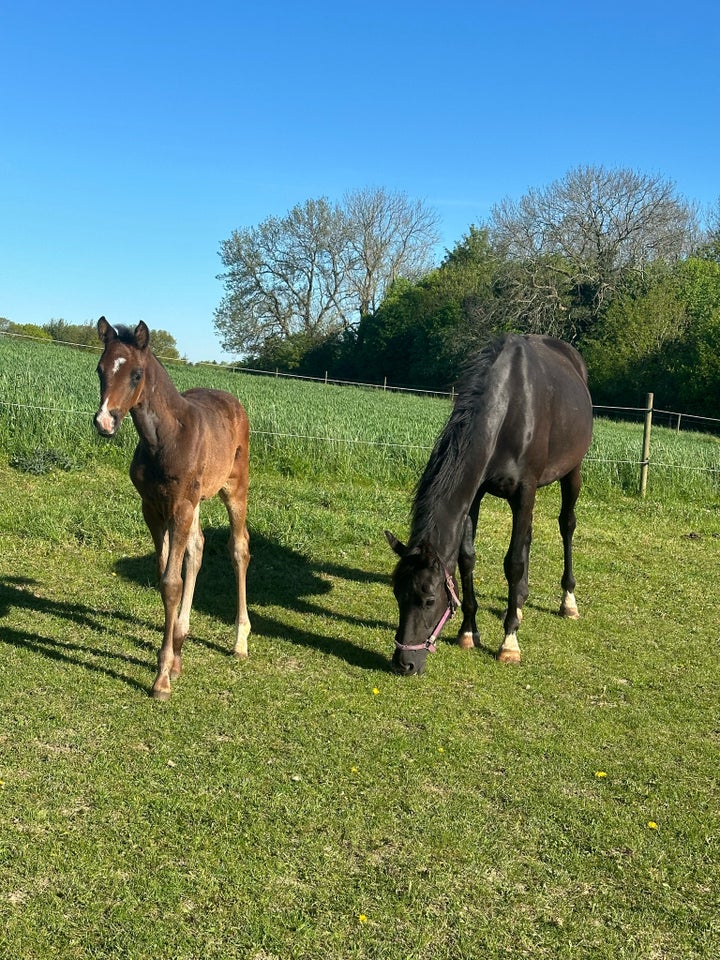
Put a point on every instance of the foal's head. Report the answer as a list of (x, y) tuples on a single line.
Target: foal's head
[(122, 373)]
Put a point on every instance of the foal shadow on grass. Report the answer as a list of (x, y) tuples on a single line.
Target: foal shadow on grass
[(21, 593), (277, 577)]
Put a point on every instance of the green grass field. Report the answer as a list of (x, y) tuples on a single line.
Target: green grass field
[(307, 803)]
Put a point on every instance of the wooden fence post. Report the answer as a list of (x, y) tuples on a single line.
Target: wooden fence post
[(645, 462)]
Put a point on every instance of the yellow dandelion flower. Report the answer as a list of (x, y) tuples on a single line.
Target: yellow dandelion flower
[(652, 825), (353, 769), (441, 749), (375, 691), (362, 918), (600, 774)]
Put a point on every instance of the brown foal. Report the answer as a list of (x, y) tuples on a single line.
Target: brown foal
[(192, 446)]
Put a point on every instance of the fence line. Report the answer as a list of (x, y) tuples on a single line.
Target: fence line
[(642, 463), (647, 411), (385, 386)]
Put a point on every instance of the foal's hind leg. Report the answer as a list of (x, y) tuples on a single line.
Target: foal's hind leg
[(234, 496), (193, 561), (570, 489)]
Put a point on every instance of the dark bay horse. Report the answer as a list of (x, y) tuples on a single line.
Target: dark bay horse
[(522, 420), (192, 446)]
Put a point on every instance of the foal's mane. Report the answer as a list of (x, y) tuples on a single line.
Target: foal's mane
[(125, 334), (444, 468)]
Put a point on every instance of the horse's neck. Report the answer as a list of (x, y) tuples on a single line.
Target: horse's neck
[(439, 517), (157, 415)]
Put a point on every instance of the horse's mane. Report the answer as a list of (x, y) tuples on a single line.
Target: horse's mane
[(443, 469)]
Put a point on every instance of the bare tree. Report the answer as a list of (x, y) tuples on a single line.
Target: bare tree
[(570, 248), (389, 236), (319, 269), (285, 276)]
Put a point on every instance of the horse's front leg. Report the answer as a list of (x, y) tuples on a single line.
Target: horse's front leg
[(517, 561), (468, 635), (171, 589), (570, 490)]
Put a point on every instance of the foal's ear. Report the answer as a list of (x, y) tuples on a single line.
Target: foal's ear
[(399, 548), (142, 335), (105, 331)]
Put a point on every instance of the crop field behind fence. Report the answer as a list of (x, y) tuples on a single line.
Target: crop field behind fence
[(49, 393), (307, 803)]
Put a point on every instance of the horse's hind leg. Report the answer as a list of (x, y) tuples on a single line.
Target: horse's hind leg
[(234, 496), (570, 489), (468, 635), (517, 563)]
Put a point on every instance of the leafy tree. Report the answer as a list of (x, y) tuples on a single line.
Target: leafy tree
[(163, 344), (697, 363), (82, 334), (572, 247), (24, 329), (423, 332), (85, 335), (631, 349), (666, 340)]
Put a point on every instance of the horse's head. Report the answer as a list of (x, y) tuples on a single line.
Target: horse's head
[(426, 597), (122, 373)]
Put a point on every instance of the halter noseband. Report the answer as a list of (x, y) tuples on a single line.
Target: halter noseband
[(453, 604)]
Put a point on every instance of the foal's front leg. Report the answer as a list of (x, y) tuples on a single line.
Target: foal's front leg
[(171, 589)]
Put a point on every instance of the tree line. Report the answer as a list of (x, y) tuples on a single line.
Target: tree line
[(613, 261), (83, 335)]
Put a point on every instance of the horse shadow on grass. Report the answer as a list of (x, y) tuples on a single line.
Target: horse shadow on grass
[(277, 577), (21, 593)]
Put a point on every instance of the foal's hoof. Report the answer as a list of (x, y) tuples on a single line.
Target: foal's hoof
[(240, 654), (160, 694), (508, 656), (466, 641)]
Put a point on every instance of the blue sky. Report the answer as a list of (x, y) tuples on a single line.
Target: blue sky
[(135, 137)]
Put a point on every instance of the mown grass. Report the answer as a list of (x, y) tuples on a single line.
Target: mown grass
[(309, 804)]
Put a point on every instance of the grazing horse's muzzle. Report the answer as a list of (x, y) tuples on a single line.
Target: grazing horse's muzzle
[(406, 664)]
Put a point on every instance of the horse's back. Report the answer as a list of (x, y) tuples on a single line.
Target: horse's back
[(564, 352), (218, 411), (544, 406)]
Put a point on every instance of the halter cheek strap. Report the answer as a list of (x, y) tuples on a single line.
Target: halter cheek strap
[(453, 604)]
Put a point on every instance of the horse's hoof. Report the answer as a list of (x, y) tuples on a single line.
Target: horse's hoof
[(160, 694), (466, 641), (509, 656), (569, 613), (240, 654)]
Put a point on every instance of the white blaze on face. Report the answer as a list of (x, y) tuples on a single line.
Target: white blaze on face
[(118, 363)]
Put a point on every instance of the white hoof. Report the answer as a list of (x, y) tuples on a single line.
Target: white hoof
[(510, 650), (568, 607)]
